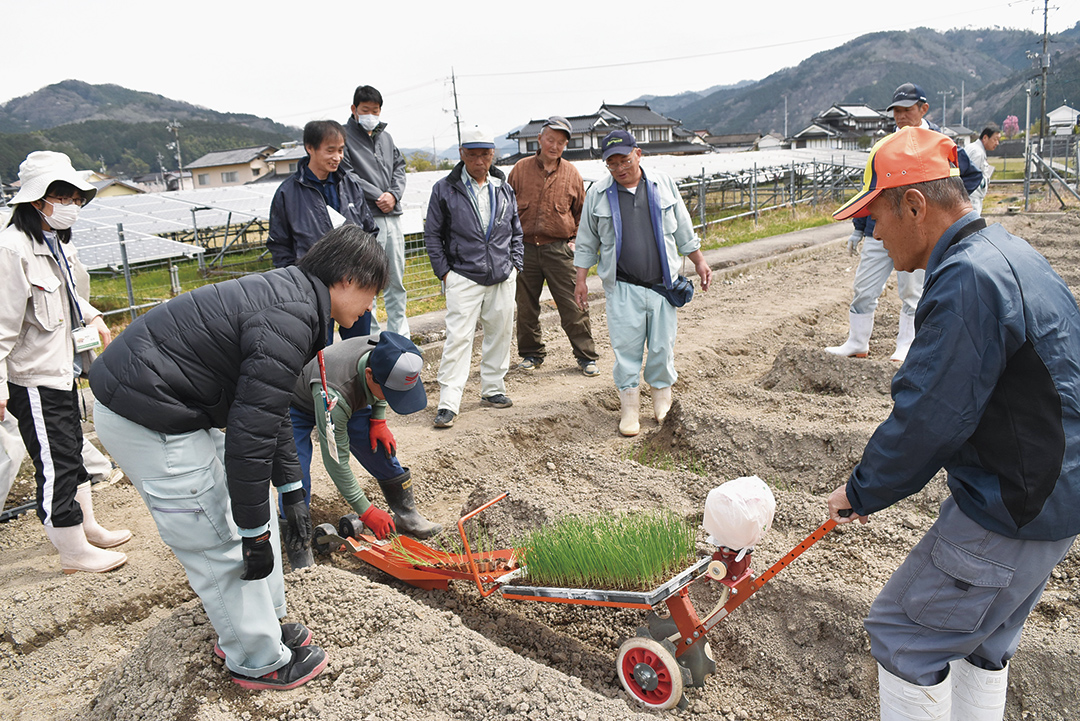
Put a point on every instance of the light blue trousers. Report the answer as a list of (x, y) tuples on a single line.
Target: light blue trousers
[(875, 265), (181, 478), (638, 317), (393, 242), (962, 592)]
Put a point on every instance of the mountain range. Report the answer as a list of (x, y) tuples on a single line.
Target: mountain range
[(985, 70)]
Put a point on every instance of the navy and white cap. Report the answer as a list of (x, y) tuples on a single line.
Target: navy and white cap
[(395, 365), (477, 136), (907, 95), (618, 142)]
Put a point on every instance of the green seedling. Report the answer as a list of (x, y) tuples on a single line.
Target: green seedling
[(636, 551)]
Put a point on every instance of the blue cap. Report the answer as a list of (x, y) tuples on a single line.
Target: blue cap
[(395, 365), (907, 95), (617, 142)]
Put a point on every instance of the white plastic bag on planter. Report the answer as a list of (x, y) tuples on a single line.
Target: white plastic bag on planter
[(739, 513)]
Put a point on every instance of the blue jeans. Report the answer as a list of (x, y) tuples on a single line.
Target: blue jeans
[(181, 478), (376, 463)]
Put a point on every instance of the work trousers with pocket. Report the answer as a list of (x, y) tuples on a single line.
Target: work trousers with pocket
[(962, 592), (181, 478), (639, 317), (553, 263), (875, 267), (394, 296)]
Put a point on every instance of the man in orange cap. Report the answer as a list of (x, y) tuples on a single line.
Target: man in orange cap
[(991, 393)]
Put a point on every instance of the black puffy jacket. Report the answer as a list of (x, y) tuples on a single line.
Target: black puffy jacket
[(223, 356)]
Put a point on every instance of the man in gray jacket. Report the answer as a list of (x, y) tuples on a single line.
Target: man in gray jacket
[(474, 239), (370, 155)]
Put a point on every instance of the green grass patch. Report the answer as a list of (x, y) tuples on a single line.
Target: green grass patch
[(663, 460), (776, 222), (634, 551)]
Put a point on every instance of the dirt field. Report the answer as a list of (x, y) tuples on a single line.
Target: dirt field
[(756, 395)]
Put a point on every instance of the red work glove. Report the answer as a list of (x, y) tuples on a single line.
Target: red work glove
[(378, 521), (379, 433)]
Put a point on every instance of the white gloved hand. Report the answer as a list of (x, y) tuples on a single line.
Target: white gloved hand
[(853, 242)]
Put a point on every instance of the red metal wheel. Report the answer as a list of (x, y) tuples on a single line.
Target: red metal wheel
[(649, 673)]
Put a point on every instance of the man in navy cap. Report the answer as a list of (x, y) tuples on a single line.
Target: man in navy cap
[(344, 392), (634, 228), (909, 108)]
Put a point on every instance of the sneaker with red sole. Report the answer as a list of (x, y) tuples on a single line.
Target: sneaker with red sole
[(293, 635), (307, 663)]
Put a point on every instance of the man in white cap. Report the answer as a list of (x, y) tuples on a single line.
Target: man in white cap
[(634, 228), (474, 239), (550, 196)]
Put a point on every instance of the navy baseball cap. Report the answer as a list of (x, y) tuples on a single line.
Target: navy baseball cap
[(618, 142), (907, 95), (395, 365)]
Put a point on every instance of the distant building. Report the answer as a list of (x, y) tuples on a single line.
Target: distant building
[(960, 134), (284, 162), (111, 187), (733, 142), (1062, 120), (844, 127), (655, 133), (230, 167)]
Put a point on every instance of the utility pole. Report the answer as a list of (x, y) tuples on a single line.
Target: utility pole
[(1044, 61), (1027, 149), (457, 115), (174, 128), (785, 117), (962, 106), (944, 114)]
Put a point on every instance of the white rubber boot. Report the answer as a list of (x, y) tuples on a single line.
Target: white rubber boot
[(661, 403), (630, 400), (76, 553), (978, 694), (858, 340), (95, 533), (903, 701), (904, 336)]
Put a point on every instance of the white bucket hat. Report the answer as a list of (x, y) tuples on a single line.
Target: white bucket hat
[(40, 169)]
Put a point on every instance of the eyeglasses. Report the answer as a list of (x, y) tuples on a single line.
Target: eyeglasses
[(614, 165), (77, 200)]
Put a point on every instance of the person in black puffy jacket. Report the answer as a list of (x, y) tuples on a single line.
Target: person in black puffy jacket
[(228, 356)]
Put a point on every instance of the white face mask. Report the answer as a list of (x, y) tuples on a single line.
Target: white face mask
[(368, 122), (63, 216)]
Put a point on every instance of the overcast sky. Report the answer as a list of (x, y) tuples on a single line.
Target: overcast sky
[(299, 61)]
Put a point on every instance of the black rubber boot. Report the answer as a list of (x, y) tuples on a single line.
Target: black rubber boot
[(399, 496), (298, 557)]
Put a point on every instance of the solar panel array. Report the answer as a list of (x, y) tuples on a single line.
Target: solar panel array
[(146, 216)]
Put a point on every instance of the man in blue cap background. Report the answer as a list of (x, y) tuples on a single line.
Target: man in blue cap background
[(634, 228), (909, 108), (344, 392)]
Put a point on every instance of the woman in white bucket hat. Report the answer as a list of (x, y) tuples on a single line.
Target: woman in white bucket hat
[(46, 333)]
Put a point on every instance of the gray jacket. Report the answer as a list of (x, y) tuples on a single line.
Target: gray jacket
[(376, 162)]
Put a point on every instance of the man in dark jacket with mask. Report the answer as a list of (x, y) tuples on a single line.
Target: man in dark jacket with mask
[(317, 198), (228, 356), (474, 239)]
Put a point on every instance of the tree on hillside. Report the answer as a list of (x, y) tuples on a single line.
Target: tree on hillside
[(422, 161)]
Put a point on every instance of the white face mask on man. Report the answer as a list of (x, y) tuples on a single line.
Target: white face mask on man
[(63, 216), (368, 122)]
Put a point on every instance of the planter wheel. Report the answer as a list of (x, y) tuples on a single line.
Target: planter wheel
[(649, 673)]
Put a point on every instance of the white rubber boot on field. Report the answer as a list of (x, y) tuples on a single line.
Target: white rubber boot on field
[(858, 341), (630, 400), (95, 533), (904, 336), (76, 553), (903, 701), (978, 694), (661, 403)]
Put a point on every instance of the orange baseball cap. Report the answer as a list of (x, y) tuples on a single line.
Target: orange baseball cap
[(908, 156)]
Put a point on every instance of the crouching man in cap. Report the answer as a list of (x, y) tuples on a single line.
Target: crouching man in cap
[(344, 392), (633, 229), (228, 356), (990, 391)]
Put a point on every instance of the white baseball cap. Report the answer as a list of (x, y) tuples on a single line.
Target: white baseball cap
[(477, 136)]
